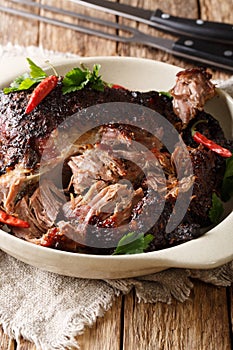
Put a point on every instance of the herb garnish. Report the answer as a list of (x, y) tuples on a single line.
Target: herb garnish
[(227, 185), (216, 211), (166, 93), (27, 80), (35, 71), (133, 243), (78, 78)]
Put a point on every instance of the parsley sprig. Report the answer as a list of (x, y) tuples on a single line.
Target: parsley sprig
[(27, 80), (217, 209), (165, 93), (78, 78), (133, 243), (227, 185)]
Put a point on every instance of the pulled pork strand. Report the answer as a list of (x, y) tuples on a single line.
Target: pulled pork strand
[(192, 89)]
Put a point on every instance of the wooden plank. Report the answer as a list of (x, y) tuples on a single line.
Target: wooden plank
[(6, 342), (106, 333), (17, 30), (199, 323), (215, 10), (26, 345), (66, 40), (219, 11)]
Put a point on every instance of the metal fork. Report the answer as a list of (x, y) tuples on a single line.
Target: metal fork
[(217, 55)]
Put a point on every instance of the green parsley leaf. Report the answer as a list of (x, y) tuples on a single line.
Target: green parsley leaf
[(23, 82), (19, 80), (74, 80), (133, 243), (26, 80), (36, 71), (96, 70), (27, 83), (95, 79), (78, 78), (227, 184), (19, 85), (166, 93), (216, 210)]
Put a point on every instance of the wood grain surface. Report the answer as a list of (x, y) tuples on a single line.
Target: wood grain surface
[(205, 321)]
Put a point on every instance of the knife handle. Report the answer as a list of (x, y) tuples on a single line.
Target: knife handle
[(205, 52), (205, 30)]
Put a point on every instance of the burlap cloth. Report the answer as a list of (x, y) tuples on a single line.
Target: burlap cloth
[(51, 310)]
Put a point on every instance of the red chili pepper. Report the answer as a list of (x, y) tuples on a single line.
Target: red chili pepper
[(41, 91), (12, 220), (199, 138), (116, 86)]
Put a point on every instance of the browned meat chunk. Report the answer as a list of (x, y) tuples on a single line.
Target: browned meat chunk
[(193, 88)]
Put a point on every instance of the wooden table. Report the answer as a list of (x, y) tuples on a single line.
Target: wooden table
[(205, 321)]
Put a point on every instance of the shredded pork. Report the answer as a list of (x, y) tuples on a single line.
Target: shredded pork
[(118, 176)]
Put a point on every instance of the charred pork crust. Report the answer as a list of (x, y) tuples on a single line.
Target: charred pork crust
[(22, 135), (110, 189)]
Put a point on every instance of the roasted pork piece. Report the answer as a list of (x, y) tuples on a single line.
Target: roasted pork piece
[(110, 186), (193, 88)]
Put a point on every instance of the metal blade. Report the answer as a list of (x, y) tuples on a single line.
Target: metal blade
[(116, 8), (133, 34), (195, 28)]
